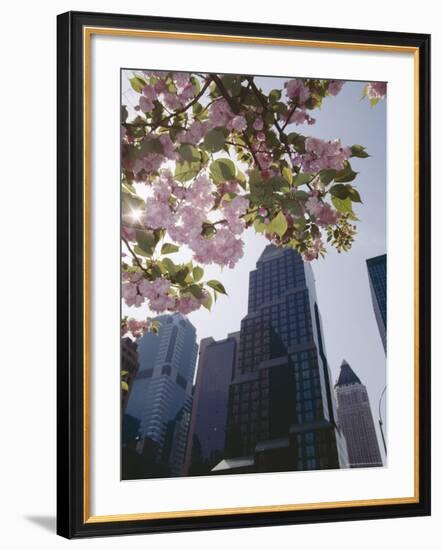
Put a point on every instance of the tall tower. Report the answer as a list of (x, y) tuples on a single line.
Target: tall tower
[(161, 396), (281, 406), (356, 420), (377, 275), (206, 441)]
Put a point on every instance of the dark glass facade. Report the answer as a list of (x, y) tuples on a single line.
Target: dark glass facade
[(377, 274), (281, 413), (215, 370)]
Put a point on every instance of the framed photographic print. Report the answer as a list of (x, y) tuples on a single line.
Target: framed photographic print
[(229, 198)]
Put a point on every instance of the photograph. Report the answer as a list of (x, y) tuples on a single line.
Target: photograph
[(253, 274)]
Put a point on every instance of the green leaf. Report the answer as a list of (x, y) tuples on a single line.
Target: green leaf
[(197, 272), (342, 205), (260, 226), (375, 101), (169, 248), (196, 291), (208, 302), (214, 140), (278, 225), (146, 241), (346, 174), (183, 276), (197, 108), (151, 146), (137, 83), (340, 191), (327, 176), (169, 265), (354, 194), (189, 152), (124, 385), (185, 171), (301, 178), (222, 170), (287, 175), (301, 195), (298, 141), (216, 285), (359, 151), (274, 96)]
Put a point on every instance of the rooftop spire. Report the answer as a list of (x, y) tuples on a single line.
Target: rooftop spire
[(347, 376)]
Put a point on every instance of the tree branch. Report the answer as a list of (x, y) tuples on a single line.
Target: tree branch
[(236, 109)]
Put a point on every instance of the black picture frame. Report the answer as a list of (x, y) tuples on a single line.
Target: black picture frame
[(71, 519)]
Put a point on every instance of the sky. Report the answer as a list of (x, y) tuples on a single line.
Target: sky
[(342, 286)]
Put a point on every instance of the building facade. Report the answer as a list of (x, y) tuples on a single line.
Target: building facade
[(377, 275), (206, 441), (281, 412), (356, 420), (129, 366), (161, 396)]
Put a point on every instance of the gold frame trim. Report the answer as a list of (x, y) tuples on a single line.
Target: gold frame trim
[(87, 34)]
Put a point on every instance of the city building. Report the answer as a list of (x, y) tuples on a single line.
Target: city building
[(281, 411), (206, 441), (377, 275), (129, 366), (356, 420), (161, 396)]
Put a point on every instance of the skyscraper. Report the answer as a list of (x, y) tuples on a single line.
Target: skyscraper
[(129, 365), (356, 420), (377, 275), (205, 446), (281, 413), (161, 396)]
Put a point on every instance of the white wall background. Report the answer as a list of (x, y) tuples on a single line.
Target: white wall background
[(27, 404)]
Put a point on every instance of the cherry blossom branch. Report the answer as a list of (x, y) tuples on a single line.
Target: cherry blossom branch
[(236, 109)]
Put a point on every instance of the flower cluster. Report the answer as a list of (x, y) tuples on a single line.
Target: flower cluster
[(323, 155), (206, 157), (376, 90)]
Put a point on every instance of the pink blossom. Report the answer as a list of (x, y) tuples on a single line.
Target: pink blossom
[(181, 79), (129, 292), (296, 89), (168, 147), (321, 155), (195, 133), (376, 90), (222, 249), (258, 124), (188, 303), (325, 215), (312, 253), (265, 160), (237, 123), (335, 86), (220, 113), (300, 116), (162, 187), (188, 93), (147, 99), (157, 215), (233, 211), (172, 101)]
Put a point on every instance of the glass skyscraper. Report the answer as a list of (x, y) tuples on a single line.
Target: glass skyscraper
[(215, 371), (161, 396), (377, 275), (281, 413), (356, 420)]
